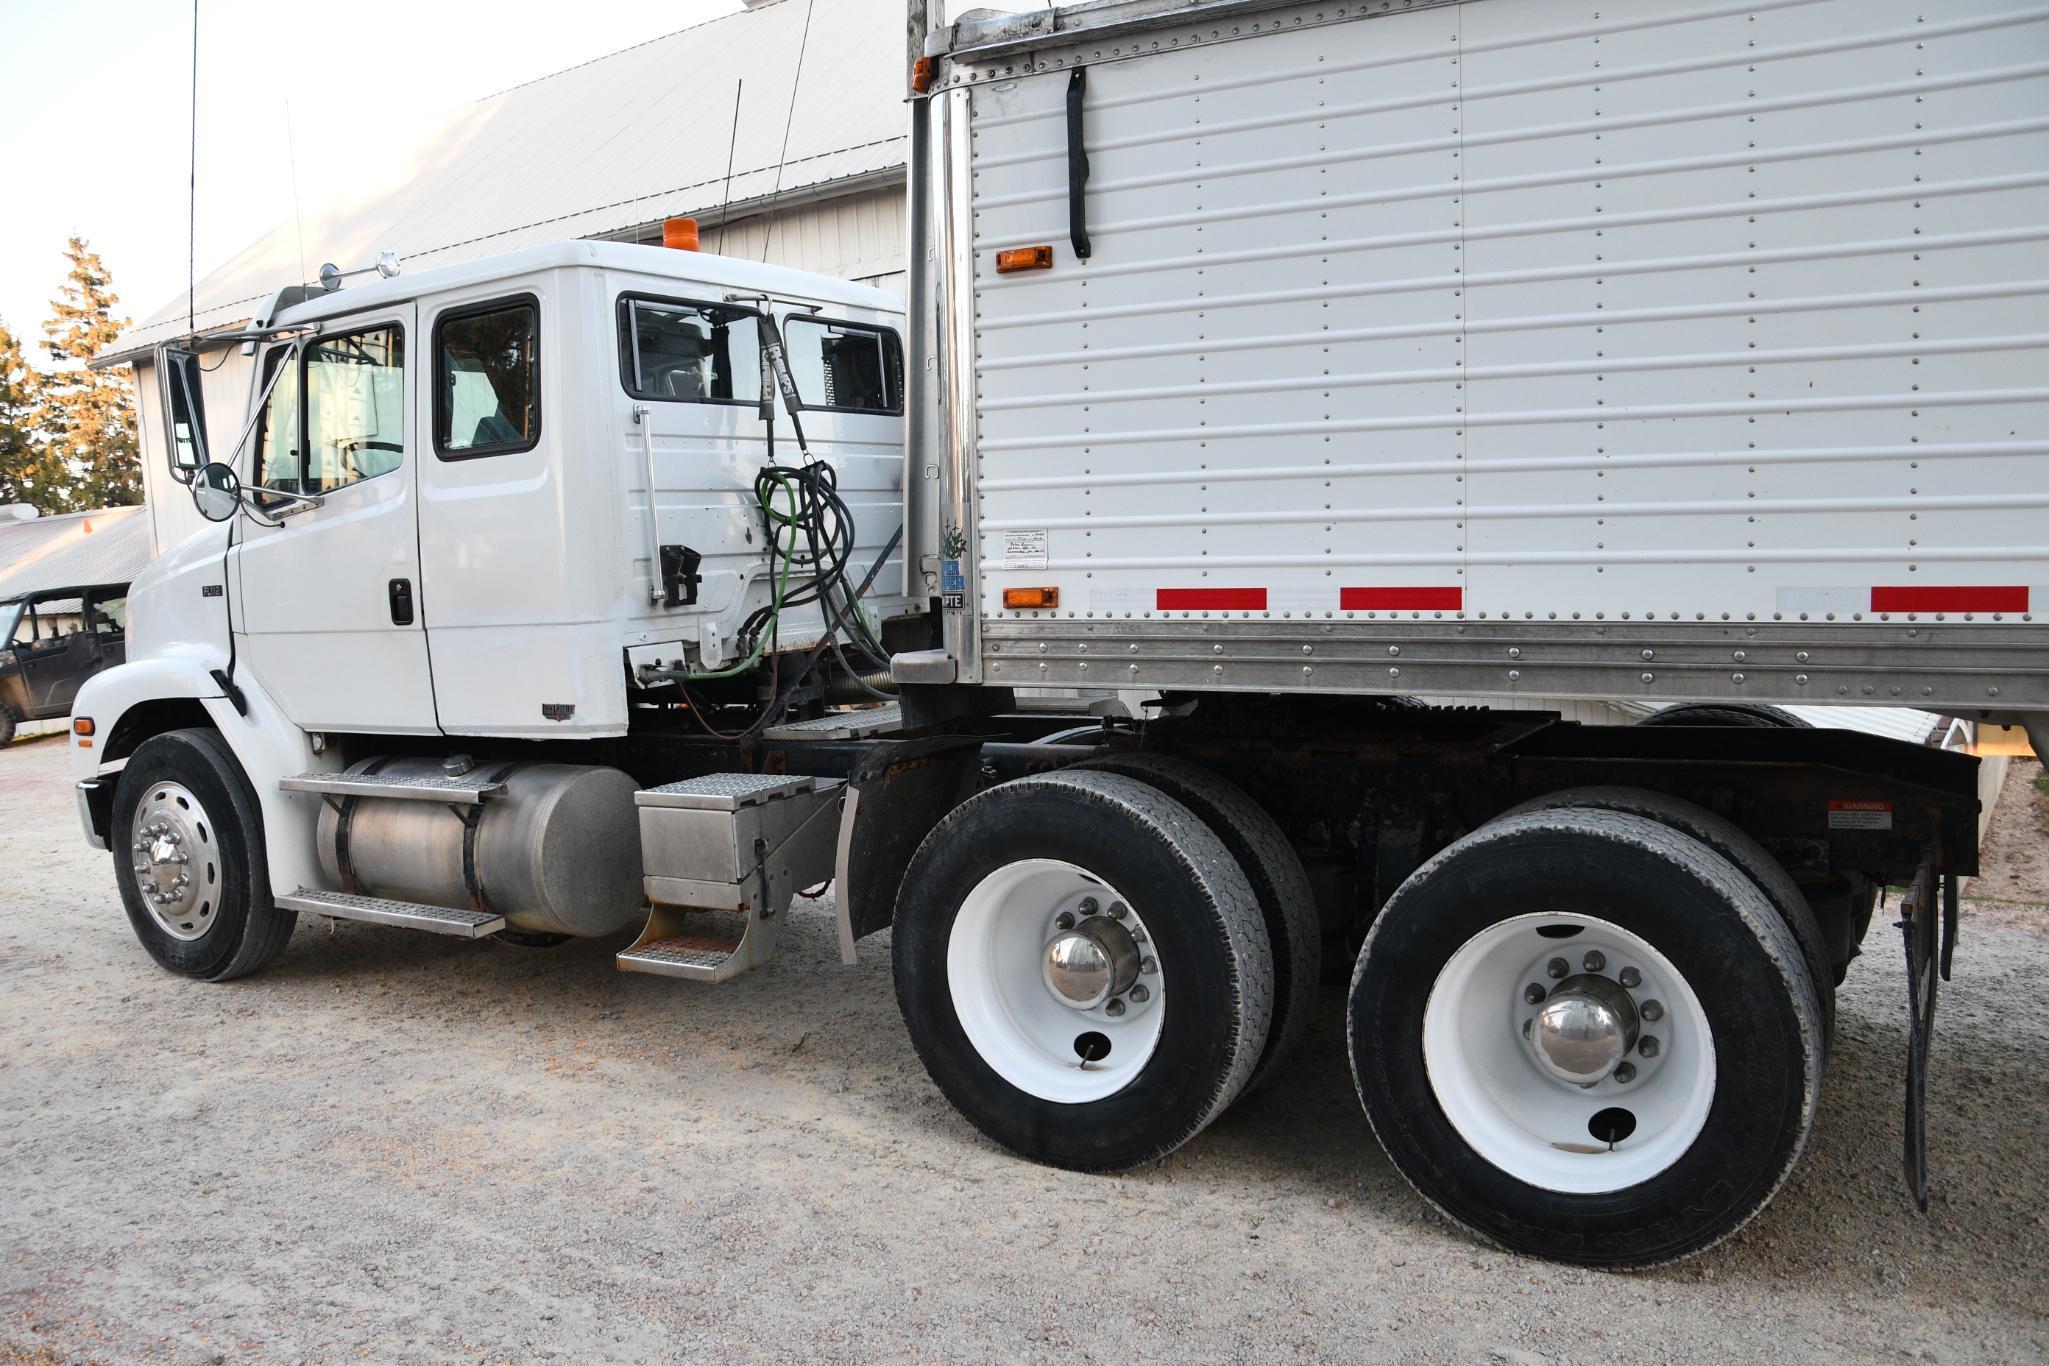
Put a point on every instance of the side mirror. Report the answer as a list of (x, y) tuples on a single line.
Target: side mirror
[(216, 491), (184, 409)]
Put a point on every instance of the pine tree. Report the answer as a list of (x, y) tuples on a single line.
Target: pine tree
[(28, 471), (88, 416)]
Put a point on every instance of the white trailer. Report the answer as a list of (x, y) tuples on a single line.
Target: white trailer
[(1275, 363)]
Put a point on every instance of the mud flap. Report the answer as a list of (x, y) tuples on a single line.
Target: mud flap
[(1928, 931)]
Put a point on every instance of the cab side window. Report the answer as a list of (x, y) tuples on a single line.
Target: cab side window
[(277, 434), (846, 367), (690, 353), (487, 380), (355, 407)]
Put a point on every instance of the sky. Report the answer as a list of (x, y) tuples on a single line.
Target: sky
[(95, 104)]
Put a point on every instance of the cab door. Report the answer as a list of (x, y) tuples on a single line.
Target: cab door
[(326, 598)]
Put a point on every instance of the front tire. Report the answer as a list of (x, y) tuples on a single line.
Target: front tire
[(189, 859), (1095, 1085), (1540, 1140)]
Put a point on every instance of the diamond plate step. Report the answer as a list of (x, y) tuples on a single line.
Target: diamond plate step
[(410, 914), (468, 790), (695, 956), (842, 725)]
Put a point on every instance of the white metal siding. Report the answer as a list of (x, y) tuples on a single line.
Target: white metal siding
[(1669, 310)]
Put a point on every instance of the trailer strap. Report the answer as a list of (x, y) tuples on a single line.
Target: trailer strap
[(1077, 166)]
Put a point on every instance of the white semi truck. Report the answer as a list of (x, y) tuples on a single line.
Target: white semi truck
[(1272, 363)]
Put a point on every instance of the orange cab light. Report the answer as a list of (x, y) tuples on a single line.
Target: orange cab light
[(81, 725), (680, 234), (1024, 258), (921, 75), (1031, 597)]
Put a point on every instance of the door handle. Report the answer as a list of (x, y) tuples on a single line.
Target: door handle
[(401, 591)]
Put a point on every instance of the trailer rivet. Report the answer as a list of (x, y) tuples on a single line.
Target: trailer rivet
[(1515, 675), (1394, 649), (1216, 649), (1133, 647), (1594, 961), (1649, 1046), (1648, 677), (1741, 656), (1307, 670), (1800, 679), (1735, 678), (1557, 967), (1630, 978), (1217, 669), (1515, 652), (1394, 673), (1308, 649), (1534, 994), (1651, 1010), (1650, 654), (1626, 1073), (1800, 656)]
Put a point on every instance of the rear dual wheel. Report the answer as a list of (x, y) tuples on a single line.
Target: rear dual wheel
[(1084, 968), (1587, 1036)]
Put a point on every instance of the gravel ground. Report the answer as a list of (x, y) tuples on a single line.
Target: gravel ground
[(399, 1147)]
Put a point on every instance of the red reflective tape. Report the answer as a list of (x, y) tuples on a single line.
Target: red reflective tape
[(1401, 599), (2004, 598), (1210, 600)]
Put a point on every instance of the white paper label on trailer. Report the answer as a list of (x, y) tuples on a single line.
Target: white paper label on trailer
[(1860, 815), (1023, 550)]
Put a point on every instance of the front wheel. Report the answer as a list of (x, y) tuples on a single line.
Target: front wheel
[(189, 858), (1587, 1036), (1083, 968)]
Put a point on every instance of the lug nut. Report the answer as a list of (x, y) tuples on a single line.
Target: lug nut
[(1118, 910), (1089, 906), (1526, 1027), (1149, 965), (1557, 967), (1114, 1009), (1630, 977), (1064, 920), (1595, 961), (1139, 994), (1651, 1010), (1626, 1073), (1534, 994), (1649, 1046), (1138, 934)]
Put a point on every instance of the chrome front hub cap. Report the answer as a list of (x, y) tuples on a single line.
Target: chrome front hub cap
[(176, 860), (1055, 980), (1584, 1029), (1569, 1052)]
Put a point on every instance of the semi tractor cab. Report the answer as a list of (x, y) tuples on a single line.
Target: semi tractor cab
[(1265, 365)]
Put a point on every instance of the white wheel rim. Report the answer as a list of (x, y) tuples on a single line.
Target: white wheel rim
[(1030, 1037), (174, 851), (1538, 1128)]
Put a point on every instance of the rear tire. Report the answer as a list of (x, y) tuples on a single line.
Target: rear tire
[(7, 725), (1733, 843), (1256, 841), (183, 808), (1620, 1172), (977, 906), (1758, 715)]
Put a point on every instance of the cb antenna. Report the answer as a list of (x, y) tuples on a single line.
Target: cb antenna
[(192, 193), (796, 84), (726, 195)]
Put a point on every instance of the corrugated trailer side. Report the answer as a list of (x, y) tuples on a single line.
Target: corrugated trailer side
[(1676, 350)]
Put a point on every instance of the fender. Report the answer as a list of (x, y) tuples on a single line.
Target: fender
[(267, 745)]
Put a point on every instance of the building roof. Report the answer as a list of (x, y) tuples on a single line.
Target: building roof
[(72, 550), (606, 147)]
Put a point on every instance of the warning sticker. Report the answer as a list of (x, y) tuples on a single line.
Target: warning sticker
[(1023, 550), (1860, 815)]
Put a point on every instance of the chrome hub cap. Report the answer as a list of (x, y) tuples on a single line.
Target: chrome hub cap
[(1091, 963), (176, 860), (1584, 1029)]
